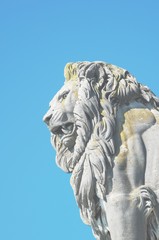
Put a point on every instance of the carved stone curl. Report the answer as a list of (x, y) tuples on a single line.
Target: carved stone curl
[(105, 128)]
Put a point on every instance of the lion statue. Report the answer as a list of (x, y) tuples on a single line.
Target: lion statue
[(105, 128)]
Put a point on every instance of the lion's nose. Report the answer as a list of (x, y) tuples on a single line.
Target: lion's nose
[(47, 118)]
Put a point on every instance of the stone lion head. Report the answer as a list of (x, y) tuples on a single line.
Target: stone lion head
[(84, 108), (82, 122)]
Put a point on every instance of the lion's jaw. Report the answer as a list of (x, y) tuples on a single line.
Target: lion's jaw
[(64, 140), (61, 123), (64, 131), (63, 137)]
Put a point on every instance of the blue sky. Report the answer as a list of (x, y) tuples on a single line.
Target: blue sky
[(37, 39)]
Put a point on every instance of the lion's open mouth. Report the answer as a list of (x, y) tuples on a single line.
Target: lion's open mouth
[(63, 131)]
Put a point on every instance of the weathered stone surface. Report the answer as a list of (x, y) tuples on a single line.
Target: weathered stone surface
[(105, 128)]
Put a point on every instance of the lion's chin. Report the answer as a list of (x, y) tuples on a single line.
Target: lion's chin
[(64, 159), (64, 151)]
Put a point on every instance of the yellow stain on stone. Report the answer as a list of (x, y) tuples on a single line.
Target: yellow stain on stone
[(137, 121), (70, 71), (123, 136)]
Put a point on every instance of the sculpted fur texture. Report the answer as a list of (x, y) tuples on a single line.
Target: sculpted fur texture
[(105, 127)]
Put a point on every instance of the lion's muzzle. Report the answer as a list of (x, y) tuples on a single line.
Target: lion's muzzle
[(62, 125)]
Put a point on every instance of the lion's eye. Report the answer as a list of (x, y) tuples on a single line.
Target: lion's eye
[(63, 96)]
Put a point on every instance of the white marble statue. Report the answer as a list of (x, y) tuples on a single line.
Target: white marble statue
[(105, 128)]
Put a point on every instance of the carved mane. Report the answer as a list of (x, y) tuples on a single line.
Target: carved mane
[(103, 89)]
